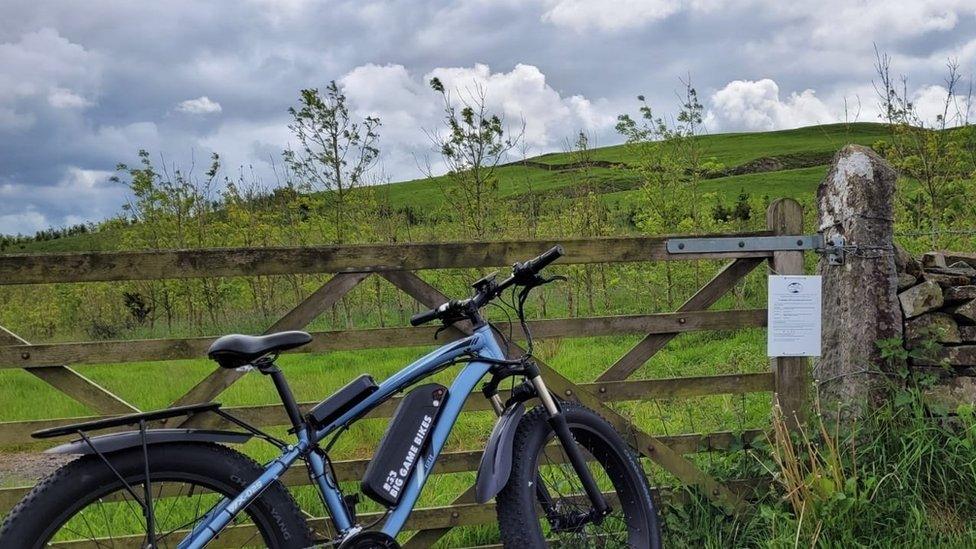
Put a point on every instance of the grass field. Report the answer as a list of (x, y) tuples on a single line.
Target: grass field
[(155, 385), (152, 385)]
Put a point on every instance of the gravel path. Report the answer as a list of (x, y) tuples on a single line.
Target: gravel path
[(23, 468)]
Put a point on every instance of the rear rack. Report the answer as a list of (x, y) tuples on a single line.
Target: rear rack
[(131, 419)]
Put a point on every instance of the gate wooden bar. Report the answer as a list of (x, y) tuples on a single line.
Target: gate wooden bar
[(70, 382), (351, 265)]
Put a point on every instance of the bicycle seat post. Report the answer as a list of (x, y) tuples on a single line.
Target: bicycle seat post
[(268, 367)]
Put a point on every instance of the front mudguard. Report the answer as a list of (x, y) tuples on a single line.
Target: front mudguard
[(496, 462)]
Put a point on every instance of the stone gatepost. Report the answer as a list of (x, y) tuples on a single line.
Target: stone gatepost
[(856, 201)]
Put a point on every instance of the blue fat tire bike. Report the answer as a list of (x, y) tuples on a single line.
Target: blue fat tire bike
[(560, 474)]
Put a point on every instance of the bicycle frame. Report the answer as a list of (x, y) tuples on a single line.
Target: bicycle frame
[(481, 343)]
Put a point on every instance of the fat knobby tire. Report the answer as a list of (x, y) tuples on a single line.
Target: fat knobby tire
[(69, 489), (516, 503)]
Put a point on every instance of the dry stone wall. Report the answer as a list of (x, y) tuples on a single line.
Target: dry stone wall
[(937, 295)]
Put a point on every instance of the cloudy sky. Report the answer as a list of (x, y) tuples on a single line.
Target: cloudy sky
[(84, 85)]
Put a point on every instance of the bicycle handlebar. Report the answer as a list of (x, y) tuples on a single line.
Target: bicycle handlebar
[(536, 264), (424, 317), (522, 274)]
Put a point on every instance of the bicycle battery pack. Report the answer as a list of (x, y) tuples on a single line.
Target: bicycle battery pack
[(405, 439), (342, 401)]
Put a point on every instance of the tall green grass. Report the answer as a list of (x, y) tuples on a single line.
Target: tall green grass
[(901, 476), (315, 376)]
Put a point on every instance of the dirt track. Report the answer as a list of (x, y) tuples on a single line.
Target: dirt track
[(23, 468)]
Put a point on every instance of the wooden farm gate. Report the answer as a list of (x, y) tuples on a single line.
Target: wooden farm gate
[(53, 363)]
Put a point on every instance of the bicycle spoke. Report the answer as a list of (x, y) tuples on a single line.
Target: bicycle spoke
[(174, 503), (112, 520), (90, 530), (248, 540), (101, 507), (570, 503)]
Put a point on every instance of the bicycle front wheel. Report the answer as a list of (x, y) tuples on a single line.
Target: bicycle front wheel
[(85, 504), (544, 503)]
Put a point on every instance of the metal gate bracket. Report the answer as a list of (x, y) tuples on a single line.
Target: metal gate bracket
[(745, 244), (835, 250), (815, 242)]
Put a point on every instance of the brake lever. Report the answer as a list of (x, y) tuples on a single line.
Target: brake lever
[(540, 281), (449, 323)]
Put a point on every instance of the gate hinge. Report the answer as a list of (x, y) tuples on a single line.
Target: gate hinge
[(834, 250)]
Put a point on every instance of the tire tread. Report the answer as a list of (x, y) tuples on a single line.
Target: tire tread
[(514, 521), (21, 521)]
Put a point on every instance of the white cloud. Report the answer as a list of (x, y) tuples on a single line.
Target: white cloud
[(61, 98), (406, 105), (23, 223), (41, 62), (888, 20), (524, 94), (930, 103), (609, 15), (200, 105), (830, 20), (402, 103), (615, 15), (79, 179), (43, 66), (245, 142), (744, 105), (80, 196), (583, 62), (116, 141), (755, 105)]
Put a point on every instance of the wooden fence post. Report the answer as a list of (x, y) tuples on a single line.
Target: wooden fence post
[(791, 374)]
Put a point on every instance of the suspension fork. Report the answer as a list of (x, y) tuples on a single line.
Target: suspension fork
[(540, 488), (557, 420)]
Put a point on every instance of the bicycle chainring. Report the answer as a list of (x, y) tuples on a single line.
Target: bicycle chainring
[(369, 540)]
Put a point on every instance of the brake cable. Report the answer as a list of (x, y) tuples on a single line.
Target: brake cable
[(523, 296)]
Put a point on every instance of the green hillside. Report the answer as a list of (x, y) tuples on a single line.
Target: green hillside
[(786, 163), (814, 143)]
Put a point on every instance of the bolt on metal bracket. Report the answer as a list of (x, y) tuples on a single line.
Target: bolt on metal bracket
[(835, 250), (813, 242)]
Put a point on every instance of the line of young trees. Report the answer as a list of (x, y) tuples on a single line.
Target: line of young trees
[(13, 242), (936, 158), (326, 192)]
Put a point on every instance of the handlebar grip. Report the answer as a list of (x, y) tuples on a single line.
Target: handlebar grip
[(424, 317), (539, 263)]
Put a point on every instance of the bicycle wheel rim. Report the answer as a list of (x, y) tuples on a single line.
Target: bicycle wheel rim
[(624, 526), (94, 522)]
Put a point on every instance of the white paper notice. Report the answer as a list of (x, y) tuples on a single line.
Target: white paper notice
[(794, 316)]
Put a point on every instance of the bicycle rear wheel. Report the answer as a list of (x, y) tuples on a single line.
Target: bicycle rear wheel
[(544, 503), (85, 504)]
